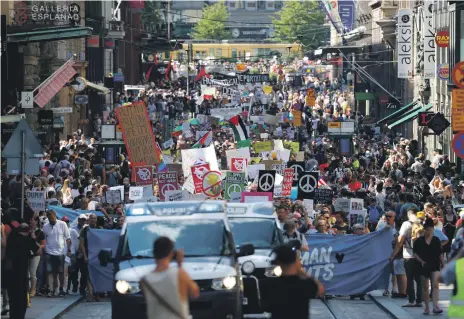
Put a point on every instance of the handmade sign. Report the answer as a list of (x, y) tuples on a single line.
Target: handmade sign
[(167, 182)]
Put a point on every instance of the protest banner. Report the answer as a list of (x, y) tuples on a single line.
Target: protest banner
[(212, 184), (343, 263), (254, 169), (268, 163), (191, 157), (239, 165), (271, 119), (176, 195), (279, 168), (135, 193), (357, 217), (259, 147), (138, 134), (324, 196), (278, 145), (36, 200), (297, 118), (197, 173), (266, 181), (257, 197), (234, 183), (143, 175), (113, 196), (238, 153), (309, 205), (167, 182), (288, 181)]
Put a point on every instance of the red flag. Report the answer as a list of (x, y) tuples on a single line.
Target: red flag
[(58, 79), (155, 59), (201, 74), (155, 63)]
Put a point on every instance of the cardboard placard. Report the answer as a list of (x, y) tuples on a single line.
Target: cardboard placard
[(36, 200), (113, 196), (138, 134)]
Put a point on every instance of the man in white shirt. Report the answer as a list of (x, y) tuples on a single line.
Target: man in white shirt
[(58, 241)]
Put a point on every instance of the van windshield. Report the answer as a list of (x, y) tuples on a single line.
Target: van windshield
[(195, 236), (260, 232)]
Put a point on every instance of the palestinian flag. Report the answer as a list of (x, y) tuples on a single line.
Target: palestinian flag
[(203, 141), (239, 128)]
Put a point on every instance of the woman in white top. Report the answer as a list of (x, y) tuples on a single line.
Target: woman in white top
[(168, 289), (67, 194)]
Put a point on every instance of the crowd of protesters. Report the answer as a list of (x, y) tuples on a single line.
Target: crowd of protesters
[(413, 194)]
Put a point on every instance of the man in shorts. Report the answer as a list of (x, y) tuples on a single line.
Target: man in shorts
[(58, 245)]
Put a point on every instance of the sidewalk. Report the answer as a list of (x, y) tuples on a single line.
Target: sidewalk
[(394, 305), (48, 308)]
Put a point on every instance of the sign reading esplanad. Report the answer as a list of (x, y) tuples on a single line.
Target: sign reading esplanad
[(405, 66)]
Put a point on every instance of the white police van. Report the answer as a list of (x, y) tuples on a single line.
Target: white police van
[(256, 224), (201, 229)]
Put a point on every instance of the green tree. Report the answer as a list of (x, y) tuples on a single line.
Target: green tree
[(302, 22), (152, 20), (213, 23)]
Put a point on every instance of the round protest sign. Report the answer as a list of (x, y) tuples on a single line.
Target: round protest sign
[(212, 184)]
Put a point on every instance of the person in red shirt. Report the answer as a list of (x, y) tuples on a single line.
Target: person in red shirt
[(355, 184)]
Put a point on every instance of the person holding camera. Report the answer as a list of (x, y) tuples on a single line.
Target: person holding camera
[(168, 289), (294, 287)]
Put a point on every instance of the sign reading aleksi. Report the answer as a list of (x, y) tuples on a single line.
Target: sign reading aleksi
[(56, 12)]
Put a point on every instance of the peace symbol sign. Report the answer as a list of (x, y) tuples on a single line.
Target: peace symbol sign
[(266, 182), (296, 170), (234, 188), (307, 183), (167, 187)]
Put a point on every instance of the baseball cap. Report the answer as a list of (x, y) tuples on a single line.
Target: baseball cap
[(82, 216), (65, 219), (284, 255)]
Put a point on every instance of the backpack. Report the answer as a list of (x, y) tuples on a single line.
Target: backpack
[(374, 213)]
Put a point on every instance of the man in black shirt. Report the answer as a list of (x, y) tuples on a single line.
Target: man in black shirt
[(288, 295)]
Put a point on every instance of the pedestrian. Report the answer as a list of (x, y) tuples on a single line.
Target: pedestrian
[(358, 229), (18, 249), (58, 245), (294, 288), (428, 252), (84, 249), (167, 290)]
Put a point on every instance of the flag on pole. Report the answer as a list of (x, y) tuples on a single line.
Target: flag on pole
[(239, 128), (201, 74), (54, 83), (203, 141)]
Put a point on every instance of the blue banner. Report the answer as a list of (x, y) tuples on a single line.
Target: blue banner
[(71, 213), (98, 239), (346, 12), (350, 264)]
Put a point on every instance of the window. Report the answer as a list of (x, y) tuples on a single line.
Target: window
[(203, 54), (234, 53), (211, 52), (218, 53), (278, 5), (197, 54), (261, 5)]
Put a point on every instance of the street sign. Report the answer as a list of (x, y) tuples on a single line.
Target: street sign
[(307, 184), (62, 110), (81, 99), (33, 149), (458, 144), (266, 181), (438, 124), (424, 118), (27, 100), (45, 117)]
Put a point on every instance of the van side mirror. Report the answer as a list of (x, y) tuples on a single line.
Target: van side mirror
[(105, 256), (246, 250)]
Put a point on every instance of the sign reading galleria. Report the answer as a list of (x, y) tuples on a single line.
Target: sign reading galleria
[(56, 12)]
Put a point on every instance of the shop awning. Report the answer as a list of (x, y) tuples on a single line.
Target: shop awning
[(49, 34), (97, 87), (397, 113), (411, 115)]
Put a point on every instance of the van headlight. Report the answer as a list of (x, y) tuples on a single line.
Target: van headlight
[(248, 267), (126, 287), (226, 283), (273, 271)]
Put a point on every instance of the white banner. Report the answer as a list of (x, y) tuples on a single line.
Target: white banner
[(194, 156), (428, 38), (176, 195), (405, 44), (226, 112), (36, 200)]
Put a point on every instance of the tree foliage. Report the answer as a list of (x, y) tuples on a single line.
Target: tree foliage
[(151, 17), (302, 22), (213, 23)]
